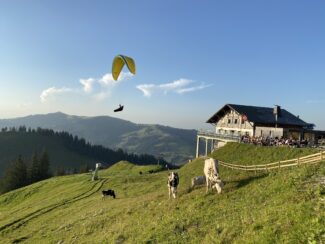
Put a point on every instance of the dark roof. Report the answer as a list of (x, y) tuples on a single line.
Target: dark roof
[(259, 115)]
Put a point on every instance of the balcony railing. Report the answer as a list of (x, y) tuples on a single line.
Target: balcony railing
[(218, 135)]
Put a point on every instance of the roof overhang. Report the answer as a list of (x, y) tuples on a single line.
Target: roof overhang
[(218, 115)]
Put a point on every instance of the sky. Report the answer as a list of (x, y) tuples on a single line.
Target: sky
[(192, 57)]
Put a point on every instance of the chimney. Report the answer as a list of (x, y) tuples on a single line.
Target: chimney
[(277, 111)]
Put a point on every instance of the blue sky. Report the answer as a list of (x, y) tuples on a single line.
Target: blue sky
[(192, 57)]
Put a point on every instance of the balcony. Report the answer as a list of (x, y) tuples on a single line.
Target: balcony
[(213, 135)]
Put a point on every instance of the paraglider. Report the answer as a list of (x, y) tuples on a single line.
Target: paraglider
[(117, 66), (120, 108), (118, 63)]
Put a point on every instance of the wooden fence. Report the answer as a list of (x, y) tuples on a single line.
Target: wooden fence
[(310, 159)]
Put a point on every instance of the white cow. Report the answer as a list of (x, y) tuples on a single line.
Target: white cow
[(211, 172), (198, 180)]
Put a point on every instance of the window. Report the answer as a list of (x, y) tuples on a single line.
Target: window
[(236, 121), (229, 121), (242, 121)]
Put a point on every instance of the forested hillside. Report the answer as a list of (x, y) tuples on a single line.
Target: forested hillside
[(64, 150), (173, 144)]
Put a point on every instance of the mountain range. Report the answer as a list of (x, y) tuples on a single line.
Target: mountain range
[(173, 144)]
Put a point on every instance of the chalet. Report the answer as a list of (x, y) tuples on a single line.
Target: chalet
[(233, 121)]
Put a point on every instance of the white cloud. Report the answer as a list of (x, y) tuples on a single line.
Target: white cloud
[(192, 89), (98, 88), (107, 79), (87, 84), (178, 86), (175, 85), (147, 89), (53, 91)]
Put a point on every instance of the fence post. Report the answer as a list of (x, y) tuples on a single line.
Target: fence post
[(279, 163), (255, 170), (298, 161), (321, 156)]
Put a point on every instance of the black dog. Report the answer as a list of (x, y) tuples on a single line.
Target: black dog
[(108, 193)]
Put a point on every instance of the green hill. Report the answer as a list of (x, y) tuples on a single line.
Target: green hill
[(25, 144), (63, 149), (282, 206), (173, 144)]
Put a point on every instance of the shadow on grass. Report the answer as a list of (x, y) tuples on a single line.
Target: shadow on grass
[(236, 184)]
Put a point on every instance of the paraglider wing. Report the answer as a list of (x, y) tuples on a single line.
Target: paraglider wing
[(118, 63)]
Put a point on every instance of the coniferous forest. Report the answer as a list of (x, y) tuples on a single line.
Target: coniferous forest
[(30, 155)]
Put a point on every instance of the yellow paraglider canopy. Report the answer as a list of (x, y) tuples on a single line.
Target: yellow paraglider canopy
[(118, 64)]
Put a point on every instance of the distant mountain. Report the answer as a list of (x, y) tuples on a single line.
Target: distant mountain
[(174, 145)]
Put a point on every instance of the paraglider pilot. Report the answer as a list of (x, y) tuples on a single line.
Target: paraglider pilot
[(120, 108)]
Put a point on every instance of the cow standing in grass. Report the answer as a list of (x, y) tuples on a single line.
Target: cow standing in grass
[(211, 172), (172, 183)]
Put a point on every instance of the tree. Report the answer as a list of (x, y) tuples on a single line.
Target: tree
[(60, 171), (15, 176), (84, 168), (44, 166), (34, 170)]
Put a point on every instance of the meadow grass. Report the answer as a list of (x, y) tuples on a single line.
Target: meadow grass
[(281, 206)]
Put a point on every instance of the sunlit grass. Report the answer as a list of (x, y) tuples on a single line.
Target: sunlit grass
[(276, 207)]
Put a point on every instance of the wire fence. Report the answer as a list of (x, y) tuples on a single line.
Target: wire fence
[(310, 159)]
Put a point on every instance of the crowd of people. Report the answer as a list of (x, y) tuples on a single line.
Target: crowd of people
[(276, 141)]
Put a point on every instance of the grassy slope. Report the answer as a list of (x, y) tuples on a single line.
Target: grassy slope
[(283, 206), (174, 145)]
